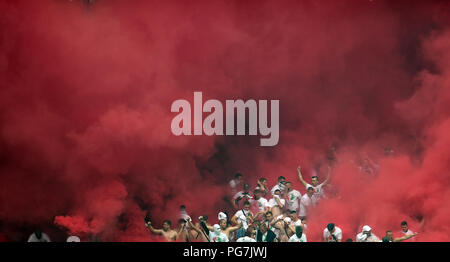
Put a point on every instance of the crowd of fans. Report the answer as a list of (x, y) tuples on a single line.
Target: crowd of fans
[(262, 214), (278, 214)]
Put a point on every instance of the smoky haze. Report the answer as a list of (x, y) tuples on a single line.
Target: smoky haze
[(85, 140)]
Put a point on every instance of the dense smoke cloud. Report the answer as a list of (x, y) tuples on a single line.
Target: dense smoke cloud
[(85, 140)]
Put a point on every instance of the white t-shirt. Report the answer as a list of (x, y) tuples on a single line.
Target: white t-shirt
[(305, 202), (296, 223), (242, 217), (233, 184), (363, 238), (184, 215), (318, 190), (294, 238), (245, 239), (261, 202), (293, 197), (337, 233), (221, 237), (273, 203), (407, 233)]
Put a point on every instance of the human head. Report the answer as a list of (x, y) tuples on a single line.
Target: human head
[(223, 224), (216, 228), (182, 208), (166, 225), (277, 192), (246, 206), (222, 215), (366, 229), (262, 228), (288, 186), (249, 233), (263, 181), (246, 187), (310, 191), (299, 231), (314, 180), (281, 179), (404, 226), (389, 235), (238, 176), (269, 216), (331, 227), (73, 239), (181, 221), (293, 215), (257, 194)]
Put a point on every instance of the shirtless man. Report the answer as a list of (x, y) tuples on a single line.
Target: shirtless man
[(183, 233), (226, 228), (166, 231), (194, 232), (281, 224)]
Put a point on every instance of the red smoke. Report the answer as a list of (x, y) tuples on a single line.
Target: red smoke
[(85, 97)]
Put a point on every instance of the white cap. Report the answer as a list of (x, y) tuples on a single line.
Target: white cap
[(287, 220), (73, 239), (222, 215), (366, 228)]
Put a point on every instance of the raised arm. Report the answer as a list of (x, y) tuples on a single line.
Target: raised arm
[(209, 227), (234, 228), (399, 239), (206, 225), (328, 177), (236, 200), (193, 226), (152, 229), (300, 176), (234, 220)]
